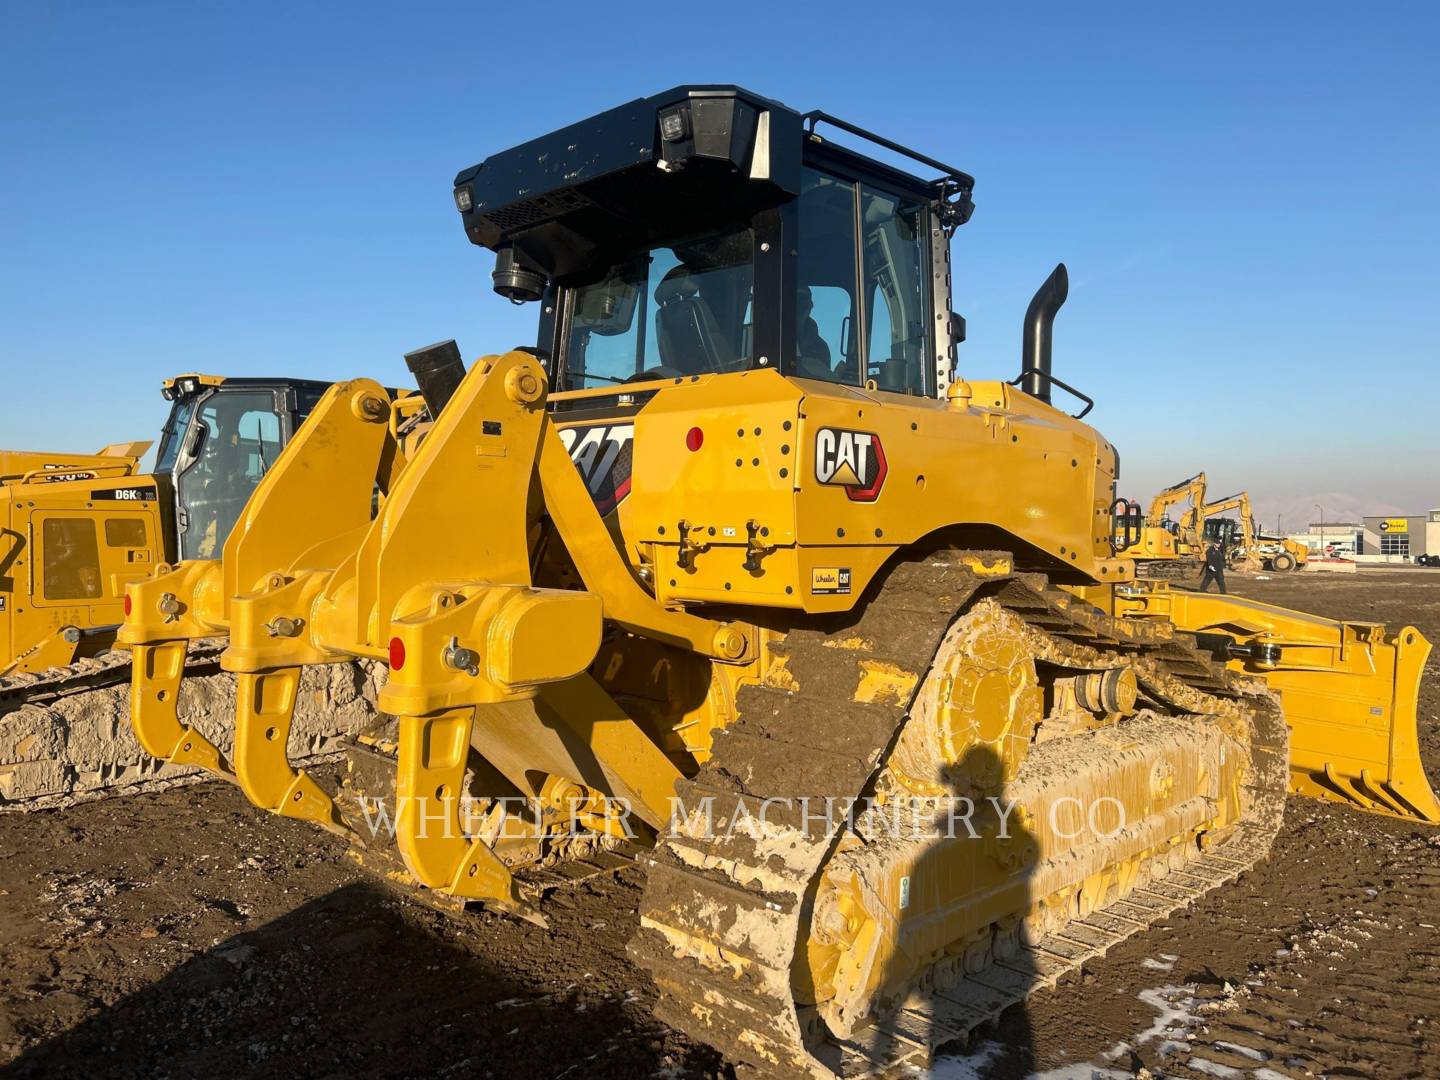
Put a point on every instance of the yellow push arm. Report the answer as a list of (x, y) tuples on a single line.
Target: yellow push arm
[(1349, 691)]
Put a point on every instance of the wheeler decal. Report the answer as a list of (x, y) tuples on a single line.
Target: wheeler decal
[(830, 580)]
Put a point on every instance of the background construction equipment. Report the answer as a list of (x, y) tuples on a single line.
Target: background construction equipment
[(1244, 544), (79, 528)]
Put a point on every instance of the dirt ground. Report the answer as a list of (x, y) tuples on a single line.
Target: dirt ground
[(183, 933)]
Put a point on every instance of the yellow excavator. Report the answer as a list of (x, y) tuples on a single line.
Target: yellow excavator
[(733, 566), (1160, 545), (1244, 544), (75, 529)]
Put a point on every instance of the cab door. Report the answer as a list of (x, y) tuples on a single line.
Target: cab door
[(13, 577), (83, 559), (236, 436)]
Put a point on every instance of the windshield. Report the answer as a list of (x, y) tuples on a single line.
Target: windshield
[(680, 309), (173, 433), (241, 441)]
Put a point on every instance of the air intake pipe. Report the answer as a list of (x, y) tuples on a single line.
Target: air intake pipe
[(1040, 331), (438, 370)]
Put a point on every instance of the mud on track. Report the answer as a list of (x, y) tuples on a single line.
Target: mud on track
[(183, 933)]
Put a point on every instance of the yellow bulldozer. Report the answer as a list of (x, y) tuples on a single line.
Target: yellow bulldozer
[(733, 566), (77, 528), (1244, 544)]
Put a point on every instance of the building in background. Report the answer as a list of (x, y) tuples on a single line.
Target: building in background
[(1402, 538), (1389, 538), (1335, 539)]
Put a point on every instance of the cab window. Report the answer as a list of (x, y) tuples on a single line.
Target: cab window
[(826, 340), (173, 434), (680, 309), (863, 303), (239, 443), (897, 299), (70, 559)]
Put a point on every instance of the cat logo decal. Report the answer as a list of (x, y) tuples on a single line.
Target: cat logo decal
[(604, 454), (854, 460)]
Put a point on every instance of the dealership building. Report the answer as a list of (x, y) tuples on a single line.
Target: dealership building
[(1389, 538), (1400, 539)]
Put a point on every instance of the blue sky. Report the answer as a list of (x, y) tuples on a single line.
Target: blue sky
[(1245, 196)]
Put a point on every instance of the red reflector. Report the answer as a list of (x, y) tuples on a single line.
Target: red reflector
[(694, 439), (126, 605), (397, 654)]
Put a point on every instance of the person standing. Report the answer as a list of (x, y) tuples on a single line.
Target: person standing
[(1214, 569)]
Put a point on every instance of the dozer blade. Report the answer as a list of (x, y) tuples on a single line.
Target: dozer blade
[(1349, 690)]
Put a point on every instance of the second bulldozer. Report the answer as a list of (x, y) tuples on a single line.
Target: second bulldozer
[(734, 563), (78, 528)]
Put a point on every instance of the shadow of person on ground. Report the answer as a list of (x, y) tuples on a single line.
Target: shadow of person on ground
[(347, 985)]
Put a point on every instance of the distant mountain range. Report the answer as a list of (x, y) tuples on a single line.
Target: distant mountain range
[(1295, 513)]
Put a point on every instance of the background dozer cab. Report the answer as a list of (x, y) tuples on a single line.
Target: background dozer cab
[(734, 563), (78, 528)]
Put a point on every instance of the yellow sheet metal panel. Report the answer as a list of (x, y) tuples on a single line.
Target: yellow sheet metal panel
[(69, 551), (730, 471), (1023, 468)]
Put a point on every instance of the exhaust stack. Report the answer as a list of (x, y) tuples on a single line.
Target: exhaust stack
[(1039, 332), (438, 370)]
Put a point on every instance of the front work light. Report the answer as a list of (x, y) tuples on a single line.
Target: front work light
[(675, 125)]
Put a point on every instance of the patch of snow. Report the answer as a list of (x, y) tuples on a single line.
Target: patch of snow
[(1172, 1005), (971, 1066), (1251, 1052), (976, 1066), (1212, 1068)]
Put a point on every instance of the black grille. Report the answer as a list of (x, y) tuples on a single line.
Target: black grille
[(521, 215)]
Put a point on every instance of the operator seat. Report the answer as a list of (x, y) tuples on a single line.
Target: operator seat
[(686, 330), (812, 353)]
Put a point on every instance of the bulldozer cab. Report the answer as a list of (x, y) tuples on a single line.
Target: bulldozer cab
[(1222, 531), (752, 243), (218, 441)]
